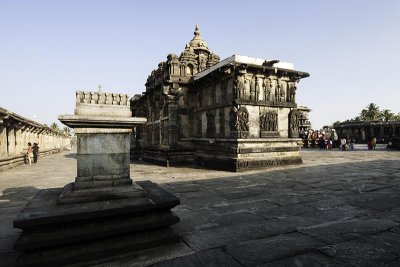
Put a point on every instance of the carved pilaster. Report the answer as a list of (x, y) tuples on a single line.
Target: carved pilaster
[(210, 133), (222, 123), (294, 117)]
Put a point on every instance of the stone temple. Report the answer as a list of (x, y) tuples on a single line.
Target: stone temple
[(236, 114)]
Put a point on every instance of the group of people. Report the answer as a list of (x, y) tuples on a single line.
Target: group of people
[(32, 153)]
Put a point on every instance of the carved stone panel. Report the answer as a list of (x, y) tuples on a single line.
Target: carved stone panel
[(269, 124), (294, 117), (239, 122), (210, 133)]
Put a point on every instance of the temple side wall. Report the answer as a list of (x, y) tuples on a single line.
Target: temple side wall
[(15, 133)]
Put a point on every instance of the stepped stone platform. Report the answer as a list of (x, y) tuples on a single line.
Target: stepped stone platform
[(55, 234)]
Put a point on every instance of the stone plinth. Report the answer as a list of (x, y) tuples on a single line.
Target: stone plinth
[(103, 126), (103, 213)]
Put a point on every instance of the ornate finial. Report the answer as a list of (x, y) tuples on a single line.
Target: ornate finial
[(99, 87), (196, 30)]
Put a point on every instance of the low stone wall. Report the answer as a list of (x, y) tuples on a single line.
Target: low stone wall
[(17, 131)]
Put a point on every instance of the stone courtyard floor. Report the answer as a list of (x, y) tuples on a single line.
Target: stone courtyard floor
[(339, 208)]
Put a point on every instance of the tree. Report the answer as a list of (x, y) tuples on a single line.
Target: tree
[(371, 113), (54, 126), (67, 130), (388, 115)]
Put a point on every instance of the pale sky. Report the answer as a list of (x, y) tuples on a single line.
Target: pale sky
[(50, 49)]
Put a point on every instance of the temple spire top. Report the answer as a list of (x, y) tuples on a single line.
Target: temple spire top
[(196, 30)]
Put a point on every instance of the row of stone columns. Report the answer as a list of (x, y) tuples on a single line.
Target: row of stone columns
[(16, 132)]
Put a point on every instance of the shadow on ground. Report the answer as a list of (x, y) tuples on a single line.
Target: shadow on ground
[(12, 201), (330, 214)]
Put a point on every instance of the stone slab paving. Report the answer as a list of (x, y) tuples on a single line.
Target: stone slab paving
[(339, 208)]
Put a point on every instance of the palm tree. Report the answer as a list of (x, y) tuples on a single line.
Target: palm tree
[(371, 113), (387, 115), (54, 126), (67, 130)]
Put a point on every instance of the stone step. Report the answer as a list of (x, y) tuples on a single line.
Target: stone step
[(57, 235), (83, 252), (44, 208)]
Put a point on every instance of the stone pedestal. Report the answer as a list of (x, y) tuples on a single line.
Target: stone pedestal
[(103, 212)]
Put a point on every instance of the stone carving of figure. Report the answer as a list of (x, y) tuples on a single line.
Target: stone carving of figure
[(102, 98), (210, 124), (278, 92), (123, 99), (108, 98), (269, 121), (274, 122), (293, 93), (263, 125), (258, 87), (243, 119), (94, 98), (246, 93), (79, 97), (233, 119), (239, 87), (267, 89), (253, 88), (294, 123), (282, 91), (87, 97)]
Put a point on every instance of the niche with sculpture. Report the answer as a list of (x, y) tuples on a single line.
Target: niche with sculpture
[(269, 124), (239, 122)]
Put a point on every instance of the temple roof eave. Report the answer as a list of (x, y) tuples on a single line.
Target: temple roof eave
[(249, 62)]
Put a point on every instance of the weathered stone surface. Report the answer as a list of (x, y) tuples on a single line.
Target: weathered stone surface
[(225, 235), (115, 191), (309, 259), (147, 256), (340, 231), (320, 216), (264, 250), (204, 219), (321, 169), (211, 258), (375, 250)]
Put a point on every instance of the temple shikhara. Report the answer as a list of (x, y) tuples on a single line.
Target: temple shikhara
[(236, 114)]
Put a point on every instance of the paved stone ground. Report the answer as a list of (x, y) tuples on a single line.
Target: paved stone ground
[(339, 208)]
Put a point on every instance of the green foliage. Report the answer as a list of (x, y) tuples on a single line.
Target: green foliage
[(54, 126), (67, 130), (373, 113)]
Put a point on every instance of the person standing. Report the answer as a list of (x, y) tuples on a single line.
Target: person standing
[(29, 153), (373, 143), (35, 149)]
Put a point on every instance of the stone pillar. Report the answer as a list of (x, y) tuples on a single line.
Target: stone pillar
[(3, 141), (11, 141), (103, 142), (173, 130)]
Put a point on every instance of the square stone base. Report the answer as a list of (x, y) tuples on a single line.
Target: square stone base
[(64, 234), (70, 194)]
